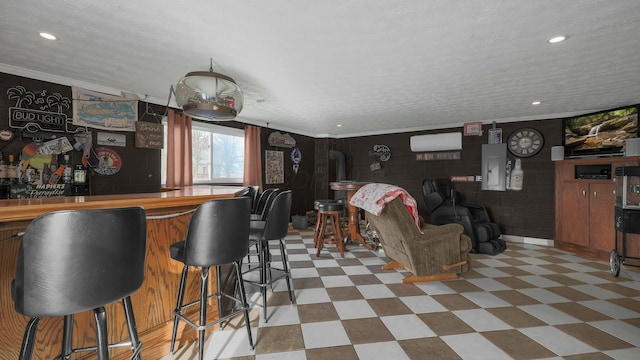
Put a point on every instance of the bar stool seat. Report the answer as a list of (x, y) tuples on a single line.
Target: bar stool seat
[(329, 212), (74, 261), (218, 234)]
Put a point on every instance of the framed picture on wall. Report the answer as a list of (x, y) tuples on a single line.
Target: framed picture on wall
[(495, 136), (274, 167)]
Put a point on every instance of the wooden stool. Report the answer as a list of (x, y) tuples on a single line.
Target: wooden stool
[(329, 212), (318, 220)]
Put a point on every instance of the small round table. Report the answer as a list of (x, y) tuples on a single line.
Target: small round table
[(353, 234)]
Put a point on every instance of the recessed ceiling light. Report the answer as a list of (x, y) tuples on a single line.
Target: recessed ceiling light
[(339, 125), (557, 39), (536, 103), (48, 36)]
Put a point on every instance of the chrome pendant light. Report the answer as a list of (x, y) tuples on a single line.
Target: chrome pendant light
[(208, 95)]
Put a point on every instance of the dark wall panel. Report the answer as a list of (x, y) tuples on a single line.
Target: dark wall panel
[(529, 212), (140, 171), (301, 183)]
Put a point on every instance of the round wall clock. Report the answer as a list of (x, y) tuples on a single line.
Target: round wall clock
[(525, 142)]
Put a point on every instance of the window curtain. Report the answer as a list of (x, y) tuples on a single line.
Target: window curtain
[(252, 156), (179, 167)]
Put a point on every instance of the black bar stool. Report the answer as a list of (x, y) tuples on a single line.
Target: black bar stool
[(218, 234), (274, 228), (74, 261)]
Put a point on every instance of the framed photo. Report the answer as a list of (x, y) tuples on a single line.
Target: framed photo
[(274, 167), (495, 136), (473, 129)]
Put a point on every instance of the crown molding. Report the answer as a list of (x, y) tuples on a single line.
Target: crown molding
[(38, 75)]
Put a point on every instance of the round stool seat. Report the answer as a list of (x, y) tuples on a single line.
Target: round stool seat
[(321, 201), (330, 206)]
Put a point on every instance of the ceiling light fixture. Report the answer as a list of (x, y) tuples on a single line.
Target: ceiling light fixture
[(48, 36), (208, 95), (557, 39), (536, 103)]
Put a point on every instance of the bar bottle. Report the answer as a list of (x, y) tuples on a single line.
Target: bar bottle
[(67, 173), (12, 170), (3, 170)]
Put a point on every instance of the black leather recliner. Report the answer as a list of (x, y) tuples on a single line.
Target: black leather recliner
[(445, 206)]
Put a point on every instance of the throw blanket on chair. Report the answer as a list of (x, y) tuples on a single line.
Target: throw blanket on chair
[(375, 196)]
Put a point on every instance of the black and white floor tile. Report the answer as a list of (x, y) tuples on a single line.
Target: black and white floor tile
[(531, 302)]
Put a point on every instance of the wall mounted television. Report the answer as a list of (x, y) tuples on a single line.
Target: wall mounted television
[(599, 134)]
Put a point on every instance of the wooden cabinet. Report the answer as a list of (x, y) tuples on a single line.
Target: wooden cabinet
[(585, 207)]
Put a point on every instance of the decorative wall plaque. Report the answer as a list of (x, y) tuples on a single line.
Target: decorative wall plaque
[(110, 162), (149, 135), (280, 140)]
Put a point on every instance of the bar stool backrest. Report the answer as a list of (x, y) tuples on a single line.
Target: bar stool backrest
[(218, 232), (263, 200), (277, 220), (252, 193), (74, 261)]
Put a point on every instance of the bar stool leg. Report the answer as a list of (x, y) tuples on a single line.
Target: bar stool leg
[(285, 267), (204, 291), (318, 227), (264, 249), (136, 345), (67, 338), (29, 338), (245, 305), (178, 310), (337, 232), (219, 295), (320, 243), (102, 339)]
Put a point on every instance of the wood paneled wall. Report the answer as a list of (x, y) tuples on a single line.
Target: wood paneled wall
[(529, 212), (140, 171)]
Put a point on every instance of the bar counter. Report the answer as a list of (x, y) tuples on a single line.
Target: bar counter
[(168, 215)]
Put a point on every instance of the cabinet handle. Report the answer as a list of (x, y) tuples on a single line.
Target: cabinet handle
[(595, 195), (584, 193)]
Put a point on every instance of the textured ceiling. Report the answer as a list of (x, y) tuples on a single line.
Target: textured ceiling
[(372, 66)]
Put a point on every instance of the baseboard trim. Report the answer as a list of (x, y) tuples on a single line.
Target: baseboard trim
[(528, 240)]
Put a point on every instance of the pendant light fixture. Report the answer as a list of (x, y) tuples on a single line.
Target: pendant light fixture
[(208, 95)]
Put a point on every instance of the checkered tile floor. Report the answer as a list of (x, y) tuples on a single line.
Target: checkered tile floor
[(531, 302)]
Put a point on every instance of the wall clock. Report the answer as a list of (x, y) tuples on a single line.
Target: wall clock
[(525, 142)]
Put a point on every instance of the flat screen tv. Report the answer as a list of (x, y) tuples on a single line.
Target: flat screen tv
[(600, 134)]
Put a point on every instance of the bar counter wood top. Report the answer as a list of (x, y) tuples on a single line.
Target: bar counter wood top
[(29, 209), (168, 215)]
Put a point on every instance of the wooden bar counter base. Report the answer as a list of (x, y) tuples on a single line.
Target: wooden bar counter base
[(168, 215)]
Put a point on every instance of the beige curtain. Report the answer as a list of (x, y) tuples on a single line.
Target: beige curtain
[(179, 168), (252, 156)]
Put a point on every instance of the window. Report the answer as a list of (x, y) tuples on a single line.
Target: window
[(217, 153)]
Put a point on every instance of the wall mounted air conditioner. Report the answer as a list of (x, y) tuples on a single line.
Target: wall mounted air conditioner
[(436, 142)]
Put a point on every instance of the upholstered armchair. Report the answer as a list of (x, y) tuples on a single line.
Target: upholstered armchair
[(436, 253)]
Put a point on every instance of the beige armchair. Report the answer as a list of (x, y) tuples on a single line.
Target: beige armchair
[(439, 253)]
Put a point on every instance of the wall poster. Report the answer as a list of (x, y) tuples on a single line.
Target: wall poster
[(274, 167), (102, 111)]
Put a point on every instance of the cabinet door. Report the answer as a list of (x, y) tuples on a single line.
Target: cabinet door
[(601, 215), (575, 213)]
